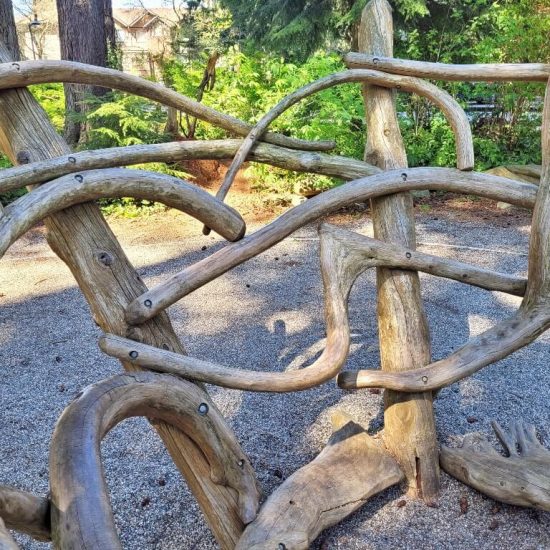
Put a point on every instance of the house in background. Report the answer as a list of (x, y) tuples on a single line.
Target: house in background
[(143, 35)]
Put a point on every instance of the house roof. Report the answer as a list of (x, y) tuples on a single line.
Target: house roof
[(143, 18)]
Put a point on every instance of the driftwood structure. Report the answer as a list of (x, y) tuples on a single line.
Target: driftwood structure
[(163, 384)]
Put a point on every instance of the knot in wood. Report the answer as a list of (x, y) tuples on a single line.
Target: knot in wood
[(23, 157), (105, 258)]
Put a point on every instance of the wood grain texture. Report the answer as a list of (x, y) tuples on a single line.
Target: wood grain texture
[(81, 512), (453, 111), (6, 540), (25, 512), (25, 73), (80, 236), (385, 183), (489, 72), (348, 471), (67, 191), (409, 426), (282, 157), (521, 478)]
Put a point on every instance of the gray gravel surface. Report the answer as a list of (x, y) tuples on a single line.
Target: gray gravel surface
[(267, 314)]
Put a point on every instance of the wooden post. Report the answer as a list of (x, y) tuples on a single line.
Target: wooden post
[(409, 431), (83, 240)]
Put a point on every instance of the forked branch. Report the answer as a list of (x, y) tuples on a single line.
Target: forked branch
[(81, 512), (521, 478)]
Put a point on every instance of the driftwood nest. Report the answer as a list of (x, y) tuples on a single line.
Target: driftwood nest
[(164, 384)]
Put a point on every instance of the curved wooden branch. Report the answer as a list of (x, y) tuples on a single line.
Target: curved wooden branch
[(491, 72), (25, 512), (6, 540), (348, 471), (193, 277), (81, 511), (530, 321), (453, 111), (338, 277), (290, 159), (522, 478), (25, 73), (67, 191)]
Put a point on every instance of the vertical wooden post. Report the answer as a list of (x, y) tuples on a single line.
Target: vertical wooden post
[(83, 240), (409, 431)]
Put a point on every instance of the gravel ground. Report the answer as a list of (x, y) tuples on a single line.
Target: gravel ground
[(268, 314)]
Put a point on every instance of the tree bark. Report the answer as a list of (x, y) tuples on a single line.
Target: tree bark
[(84, 32), (8, 34), (78, 235), (403, 329)]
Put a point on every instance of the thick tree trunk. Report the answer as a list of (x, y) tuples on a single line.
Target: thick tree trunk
[(404, 335), (8, 35), (84, 32)]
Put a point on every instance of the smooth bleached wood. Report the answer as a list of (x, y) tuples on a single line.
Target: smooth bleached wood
[(81, 512), (25, 512), (453, 111), (409, 425), (526, 325), (206, 270), (85, 186), (521, 478), (6, 540), (349, 470), (25, 73), (83, 240), (489, 72), (38, 172)]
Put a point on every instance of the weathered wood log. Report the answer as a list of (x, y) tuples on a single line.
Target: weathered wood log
[(25, 73), (282, 157), (6, 540), (204, 271), (531, 170), (505, 172), (79, 235), (85, 186), (521, 478), (409, 426), (349, 470), (527, 324), (453, 111), (492, 345), (344, 255), (25, 512), (490, 72), (81, 512)]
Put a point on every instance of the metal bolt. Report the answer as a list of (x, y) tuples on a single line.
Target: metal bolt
[(241, 463), (408, 254), (148, 303), (404, 176), (79, 178), (72, 160), (425, 379), (375, 60), (16, 65), (203, 409), (134, 354), (281, 546)]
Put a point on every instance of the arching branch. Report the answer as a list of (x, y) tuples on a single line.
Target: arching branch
[(81, 512)]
